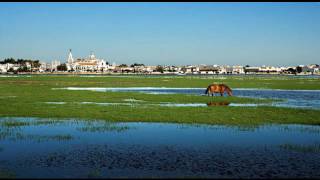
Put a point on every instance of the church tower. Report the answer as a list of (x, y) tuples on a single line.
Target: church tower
[(92, 56), (70, 58)]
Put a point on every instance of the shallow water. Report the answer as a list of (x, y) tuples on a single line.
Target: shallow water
[(34, 148), (292, 98)]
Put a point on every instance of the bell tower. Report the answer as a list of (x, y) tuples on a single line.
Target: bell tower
[(92, 56), (70, 58)]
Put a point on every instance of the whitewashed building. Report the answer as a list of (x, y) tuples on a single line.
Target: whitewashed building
[(90, 63), (54, 65), (44, 67), (149, 69), (237, 70), (268, 69), (3, 68), (6, 67)]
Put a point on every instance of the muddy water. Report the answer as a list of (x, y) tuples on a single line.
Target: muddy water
[(292, 98), (35, 148)]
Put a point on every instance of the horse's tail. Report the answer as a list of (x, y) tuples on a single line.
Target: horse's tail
[(207, 90)]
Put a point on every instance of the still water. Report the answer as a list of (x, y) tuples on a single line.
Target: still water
[(309, 99), (35, 148)]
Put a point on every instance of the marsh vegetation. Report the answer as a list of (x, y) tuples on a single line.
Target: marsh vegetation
[(138, 132), (105, 149), (42, 96)]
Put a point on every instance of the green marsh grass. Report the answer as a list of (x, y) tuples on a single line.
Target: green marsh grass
[(32, 93), (7, 174), (246, 81)]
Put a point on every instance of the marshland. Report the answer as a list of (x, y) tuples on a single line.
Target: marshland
[(159, 126)]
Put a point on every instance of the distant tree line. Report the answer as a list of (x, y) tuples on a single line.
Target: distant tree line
[(22, 62), (123, 65), (136, 64), (132, 65)]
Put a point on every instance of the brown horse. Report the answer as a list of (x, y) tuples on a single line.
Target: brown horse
[(218, 88)]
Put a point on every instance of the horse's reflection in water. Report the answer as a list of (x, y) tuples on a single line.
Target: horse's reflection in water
[(224, 103)]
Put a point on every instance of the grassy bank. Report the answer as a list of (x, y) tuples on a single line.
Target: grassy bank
[(207, 115), (27, 97), (267, 82)]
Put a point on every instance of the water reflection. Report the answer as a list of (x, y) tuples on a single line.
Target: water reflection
[(75, 148), (223, 103), (293, 98)]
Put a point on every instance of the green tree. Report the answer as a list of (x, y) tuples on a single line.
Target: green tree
[(20, 61), (123, 65), (159, 69), (62, 67), (299, 69), (11, 70), (36, 64), (292, 71), (23, 69), (245, 69), (136, 64), (9, 60)]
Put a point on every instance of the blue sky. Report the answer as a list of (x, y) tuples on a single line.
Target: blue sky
[(164, 33)]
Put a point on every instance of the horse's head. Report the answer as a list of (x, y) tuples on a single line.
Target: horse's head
[(229, 91)]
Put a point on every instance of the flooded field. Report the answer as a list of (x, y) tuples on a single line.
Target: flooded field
[(158, 132), (73, 148), (292, 98)]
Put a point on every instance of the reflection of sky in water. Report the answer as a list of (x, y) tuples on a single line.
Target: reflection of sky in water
[(306, 99), (293, 98), (119, 137), (157, 133)]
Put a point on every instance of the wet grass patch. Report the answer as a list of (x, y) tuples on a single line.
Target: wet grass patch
[(7, 174), (311, 129), (209, 115), (32, 93), (6, 133), (103, 128), (41, 138), (243, 127), (16, 134), (95, 173), (18, 122), (14, 123), (314, 148)]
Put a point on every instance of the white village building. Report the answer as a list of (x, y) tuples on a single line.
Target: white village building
[(54, 64), (90, 63), (3, 68)]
